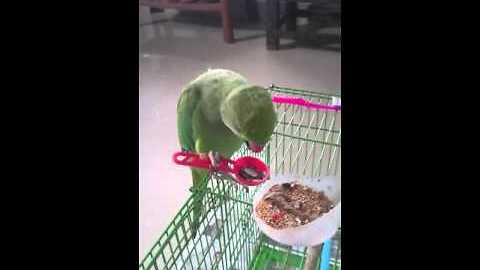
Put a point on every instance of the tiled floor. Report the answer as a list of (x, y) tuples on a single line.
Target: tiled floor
[(171, 54)]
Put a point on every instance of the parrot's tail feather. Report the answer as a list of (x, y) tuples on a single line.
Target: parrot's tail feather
[(199, 176), (197, 214)]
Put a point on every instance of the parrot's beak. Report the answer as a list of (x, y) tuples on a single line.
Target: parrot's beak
[(254, 146)]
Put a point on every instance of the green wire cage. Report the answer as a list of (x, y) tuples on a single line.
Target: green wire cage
[(305, 143)]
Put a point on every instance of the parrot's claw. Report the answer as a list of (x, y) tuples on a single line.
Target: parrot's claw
[(215, 159)]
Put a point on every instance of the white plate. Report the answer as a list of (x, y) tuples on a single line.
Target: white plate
[(315, 232)]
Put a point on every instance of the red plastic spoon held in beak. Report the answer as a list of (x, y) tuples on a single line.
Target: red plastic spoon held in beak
[(247, 171)]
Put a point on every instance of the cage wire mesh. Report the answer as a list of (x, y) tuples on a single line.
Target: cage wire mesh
[(305, 142)]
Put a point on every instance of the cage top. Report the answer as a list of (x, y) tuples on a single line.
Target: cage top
[(300, 92)]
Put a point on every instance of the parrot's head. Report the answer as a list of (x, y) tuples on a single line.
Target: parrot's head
[(248, 111)]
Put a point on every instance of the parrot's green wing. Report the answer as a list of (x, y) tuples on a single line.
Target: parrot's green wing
[(187, 104)]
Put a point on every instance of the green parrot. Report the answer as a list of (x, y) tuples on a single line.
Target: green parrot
[(218, 112)]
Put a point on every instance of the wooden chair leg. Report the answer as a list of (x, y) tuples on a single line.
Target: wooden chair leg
[(226, 22), (272, 24)]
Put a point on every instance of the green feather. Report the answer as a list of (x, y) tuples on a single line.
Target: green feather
[(249, 112), (207, 107)]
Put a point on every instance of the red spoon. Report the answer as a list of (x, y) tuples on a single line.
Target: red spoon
[(248, 171)]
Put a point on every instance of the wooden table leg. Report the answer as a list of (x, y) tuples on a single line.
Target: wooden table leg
[(291, 13), (272, 24), (226, 22), (156, 10)]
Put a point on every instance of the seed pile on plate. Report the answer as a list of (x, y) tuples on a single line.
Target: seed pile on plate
[(291, 204)]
